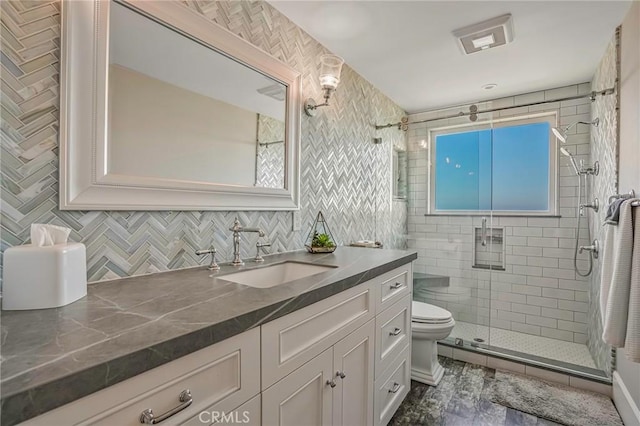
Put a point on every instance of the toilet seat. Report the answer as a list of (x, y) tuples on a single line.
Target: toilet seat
[(425, 313)]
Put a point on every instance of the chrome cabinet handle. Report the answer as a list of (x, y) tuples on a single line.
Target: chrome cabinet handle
[(331, 383), (395, 331), (340, 374), (395, 286), (147, 417), (395, 388)]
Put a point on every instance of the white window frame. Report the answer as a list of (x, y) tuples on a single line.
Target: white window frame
[(554, 205)]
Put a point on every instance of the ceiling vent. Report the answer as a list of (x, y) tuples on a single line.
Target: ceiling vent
[(486, 35), (276, 91)]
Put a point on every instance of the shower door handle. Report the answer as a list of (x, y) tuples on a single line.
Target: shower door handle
[(484, 231)]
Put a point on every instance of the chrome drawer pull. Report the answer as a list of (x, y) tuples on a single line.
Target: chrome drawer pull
[(395, 286), (147, 417), (340, 374), (331, 383), (396, 387), (395, 331)]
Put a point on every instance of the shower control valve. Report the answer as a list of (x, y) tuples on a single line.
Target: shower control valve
[(595, 205), (594, 248), (593, 170)]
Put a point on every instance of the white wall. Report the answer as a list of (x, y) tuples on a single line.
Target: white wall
[(630, 168), (539, 293), (161, 130)]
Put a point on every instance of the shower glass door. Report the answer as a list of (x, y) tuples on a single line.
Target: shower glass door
[(461, 216)]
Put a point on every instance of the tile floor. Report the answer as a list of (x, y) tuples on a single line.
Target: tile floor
[(457, 401), (572, 353)]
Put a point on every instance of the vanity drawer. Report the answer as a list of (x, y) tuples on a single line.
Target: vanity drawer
[(392, 387), (393, 328), (219, 377), (290, 341), (248, 414), (393, 286)]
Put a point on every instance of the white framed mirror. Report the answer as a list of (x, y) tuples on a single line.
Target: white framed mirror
[(162, 109)]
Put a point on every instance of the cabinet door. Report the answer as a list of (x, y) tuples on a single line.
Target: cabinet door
[(353, 396), (303, 398)]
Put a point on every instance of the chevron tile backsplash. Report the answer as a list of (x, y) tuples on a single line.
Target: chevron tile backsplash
[(343, 173)]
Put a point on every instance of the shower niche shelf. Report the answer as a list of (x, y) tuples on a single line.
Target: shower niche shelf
[(489, 248)]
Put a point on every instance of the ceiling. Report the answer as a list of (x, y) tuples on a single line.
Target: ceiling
[(407, 50)]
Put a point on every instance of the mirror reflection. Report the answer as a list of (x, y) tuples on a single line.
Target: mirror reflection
[(172, 117), (399, 174)]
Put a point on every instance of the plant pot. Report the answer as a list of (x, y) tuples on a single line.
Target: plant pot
[(312, 249), (320, 239)]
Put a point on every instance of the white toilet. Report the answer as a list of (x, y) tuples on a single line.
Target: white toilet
[(429, 324)]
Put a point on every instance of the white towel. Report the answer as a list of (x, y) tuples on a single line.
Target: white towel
[(632, 342), (620, 288)]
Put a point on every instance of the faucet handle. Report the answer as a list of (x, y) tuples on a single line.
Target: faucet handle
[(259, 246), (236, 226), (213, 266)]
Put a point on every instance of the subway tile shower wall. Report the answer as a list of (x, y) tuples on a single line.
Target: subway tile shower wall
[(342, 172), (538, 292)]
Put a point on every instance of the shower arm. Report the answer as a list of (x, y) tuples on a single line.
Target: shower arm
[(595, 122)]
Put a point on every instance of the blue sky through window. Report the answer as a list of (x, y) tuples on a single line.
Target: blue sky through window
[(505, 168)]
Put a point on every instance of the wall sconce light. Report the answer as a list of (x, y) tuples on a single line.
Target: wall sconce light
[(330, 67)]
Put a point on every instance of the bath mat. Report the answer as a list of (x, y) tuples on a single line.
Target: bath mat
[(552, 401)]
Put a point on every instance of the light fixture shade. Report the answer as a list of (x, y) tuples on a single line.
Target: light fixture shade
[(330, 67)]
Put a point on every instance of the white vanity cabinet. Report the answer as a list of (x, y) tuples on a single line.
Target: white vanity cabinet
[(342, 361), (363, 334)]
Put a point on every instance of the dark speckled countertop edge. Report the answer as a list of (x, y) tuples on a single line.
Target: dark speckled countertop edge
[(20, 406)]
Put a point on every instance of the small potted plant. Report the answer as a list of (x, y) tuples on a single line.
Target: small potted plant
[(320, 239), (322, 243)]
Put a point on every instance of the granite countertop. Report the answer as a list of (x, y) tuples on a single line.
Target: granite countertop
[(50, 357)]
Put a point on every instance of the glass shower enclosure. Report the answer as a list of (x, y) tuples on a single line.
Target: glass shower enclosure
[(492, 248)]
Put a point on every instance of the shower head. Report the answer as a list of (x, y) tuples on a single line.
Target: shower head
[(566, 153), (561, 132)]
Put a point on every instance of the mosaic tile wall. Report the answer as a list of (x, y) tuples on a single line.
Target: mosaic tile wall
[(603, 149), (343, 172)]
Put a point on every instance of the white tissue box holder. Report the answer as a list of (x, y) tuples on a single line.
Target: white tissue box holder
[(43, 277)]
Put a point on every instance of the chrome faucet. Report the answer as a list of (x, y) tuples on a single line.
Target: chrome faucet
[(237, 229)]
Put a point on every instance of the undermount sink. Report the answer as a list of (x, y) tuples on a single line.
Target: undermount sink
[(279, 273)]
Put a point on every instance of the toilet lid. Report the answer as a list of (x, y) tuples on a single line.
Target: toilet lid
[(425, 313)]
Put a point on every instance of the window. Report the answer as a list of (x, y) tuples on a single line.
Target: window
[(508, 167)]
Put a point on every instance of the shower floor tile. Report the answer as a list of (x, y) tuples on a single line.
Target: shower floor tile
[(572, 353)]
